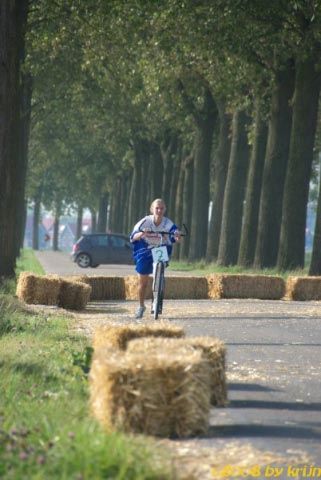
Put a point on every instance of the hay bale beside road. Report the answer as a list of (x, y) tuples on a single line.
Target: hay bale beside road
[(103, 287), (264, 287), (213, 349), (158, 394), (36, 289), (186, 287), (73, 295), (175, 287), (117, 336), (303, 288), (131, 287)]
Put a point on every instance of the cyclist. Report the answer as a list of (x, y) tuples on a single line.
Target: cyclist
[(144, 240)]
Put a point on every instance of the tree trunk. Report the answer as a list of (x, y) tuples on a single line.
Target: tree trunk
[(305, 109), (168, 151), (174, 182), (35, 222), (126, 228), (201, 186), (179, 202), (276, 160), (80, 212), (187, 204), (315, 265), (13, 18), (253, 190), (55, 240), (21, 174), (93, 215), (157, 172), (135, 207), (145, 186), (102, 213), (234, 192), (220, 172)]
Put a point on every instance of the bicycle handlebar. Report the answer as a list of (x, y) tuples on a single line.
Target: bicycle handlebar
[(166, 233)]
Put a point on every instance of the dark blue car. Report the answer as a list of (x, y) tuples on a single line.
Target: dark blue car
[(102, 248)]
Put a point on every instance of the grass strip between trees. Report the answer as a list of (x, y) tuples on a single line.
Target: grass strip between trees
[(204, 268), (46, 430)]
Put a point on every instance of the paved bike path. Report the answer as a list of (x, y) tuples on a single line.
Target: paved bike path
[(274, 377)]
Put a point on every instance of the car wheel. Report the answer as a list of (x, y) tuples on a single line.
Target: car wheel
[(83, 260)]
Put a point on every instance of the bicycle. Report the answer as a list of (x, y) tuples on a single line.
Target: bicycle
[(160, 260)]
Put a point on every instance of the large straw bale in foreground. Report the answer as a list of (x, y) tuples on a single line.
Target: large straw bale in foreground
[(175, 287), (158, 394), (245, 286), (36, 289), (103, 287), (213, 349), (303, 288), (117, 336), (73, 295)]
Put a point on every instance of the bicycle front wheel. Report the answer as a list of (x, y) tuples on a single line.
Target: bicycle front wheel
[(158, 288)]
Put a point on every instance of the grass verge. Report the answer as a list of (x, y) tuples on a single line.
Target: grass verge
[(28, 262), (46, 430), (45, 427), (203, 268)]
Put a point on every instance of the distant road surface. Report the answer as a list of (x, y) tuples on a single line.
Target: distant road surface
[(60, 263)]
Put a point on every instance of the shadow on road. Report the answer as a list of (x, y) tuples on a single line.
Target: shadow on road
[(271, 344), (295, 406), (277, 431), (251, 387)]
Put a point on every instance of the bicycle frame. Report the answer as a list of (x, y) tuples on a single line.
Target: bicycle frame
[(159, 271)]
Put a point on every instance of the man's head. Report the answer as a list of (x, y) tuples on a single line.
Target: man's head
[(158, 207)]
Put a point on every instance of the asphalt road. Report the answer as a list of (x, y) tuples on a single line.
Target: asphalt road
[(60, 263), (274, 368)]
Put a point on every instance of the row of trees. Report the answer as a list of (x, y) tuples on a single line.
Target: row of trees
[(196, 102)]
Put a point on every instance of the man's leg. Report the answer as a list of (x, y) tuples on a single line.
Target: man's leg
[(143, 281)]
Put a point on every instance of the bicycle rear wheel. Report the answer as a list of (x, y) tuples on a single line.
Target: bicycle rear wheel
[(158, 288)]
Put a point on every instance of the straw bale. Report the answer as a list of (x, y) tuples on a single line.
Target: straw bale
[(107, 288), (303, 288), (245, 286), (159, 395), (25, 287), (175, 287), (103, 287), (186, 287), (213, 349), (37, 289), (131, 287), (73, 295), (118, 336), (76, 278)]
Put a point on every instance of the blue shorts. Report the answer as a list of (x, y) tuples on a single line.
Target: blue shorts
[(144, 265), (144, 262)]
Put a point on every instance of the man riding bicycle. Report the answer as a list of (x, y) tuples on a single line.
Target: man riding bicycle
[(144, 241)]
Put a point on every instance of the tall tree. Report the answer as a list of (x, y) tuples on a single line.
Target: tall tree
[(305, 109), (234, 191), (222, 156), (253, 188), (205, 120), (13, 19), (277, 153)]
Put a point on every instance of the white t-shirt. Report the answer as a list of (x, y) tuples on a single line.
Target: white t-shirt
[(147, 222)]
